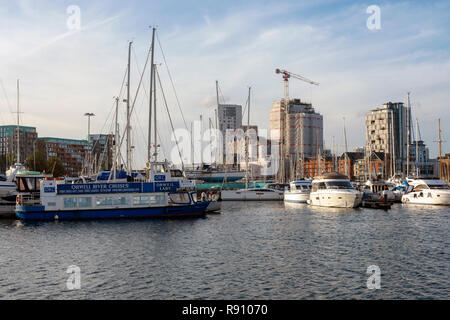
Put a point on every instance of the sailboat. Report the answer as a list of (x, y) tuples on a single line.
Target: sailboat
[(18, 180), (160, 196), (212, 173), (251, 193)]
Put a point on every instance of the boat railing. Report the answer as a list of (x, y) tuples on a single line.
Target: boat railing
[(28, 199)]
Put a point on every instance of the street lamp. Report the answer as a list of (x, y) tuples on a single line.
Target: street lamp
[(89, 115)]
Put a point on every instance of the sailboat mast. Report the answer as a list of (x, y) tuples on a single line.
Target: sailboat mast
[(154, 113), (210, 140), (217, 126), (417, 148), (247, 136), (440, 149), (408, 134), (346, 151), (217, 137), (18, 124), (128, 109), (149, 147), (201, 139)]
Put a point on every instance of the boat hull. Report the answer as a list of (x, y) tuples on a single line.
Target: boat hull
[(216, 176), (38, 212), (426, 197), (297, 197), (7, 210), (336, 199), (242, 195)]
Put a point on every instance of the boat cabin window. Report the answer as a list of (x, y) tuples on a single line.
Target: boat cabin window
[(420, 187), (28, 184), (85, 202), (141, 201), (120, 201), (157, 199), (322, 185), (159, 168), (103, 201), (70, 202), (176, 173), (339, 185), (179, 198), (438, 186)]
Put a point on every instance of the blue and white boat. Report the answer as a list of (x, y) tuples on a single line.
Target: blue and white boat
[(162, 196)]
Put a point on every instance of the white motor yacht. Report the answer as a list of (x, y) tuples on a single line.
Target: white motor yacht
[(252, 194), (334, 190), (428, 191), (299, 191)]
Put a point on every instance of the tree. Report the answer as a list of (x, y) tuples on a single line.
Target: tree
[(55, 167), (6, 160), (37, 162)]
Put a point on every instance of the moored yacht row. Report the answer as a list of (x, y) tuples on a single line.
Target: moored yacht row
[(335, 190)]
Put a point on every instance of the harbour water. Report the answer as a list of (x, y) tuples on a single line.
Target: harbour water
[(252, 250)]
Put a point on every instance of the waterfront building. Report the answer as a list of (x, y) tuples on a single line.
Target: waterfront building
[(315, 167), (229, 118), (386, 131), (305, 128), (8, 142), (303, 136), (370, 167), (72, 153), (346, 163), (101, 147)]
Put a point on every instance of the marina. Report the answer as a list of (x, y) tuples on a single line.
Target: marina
[(235, 151)]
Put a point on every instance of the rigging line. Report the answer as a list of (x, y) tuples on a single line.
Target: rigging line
[(171, 81), (170, 119), (140, 128), (123, 82), (6, 97), (135, 97), (147, 96)]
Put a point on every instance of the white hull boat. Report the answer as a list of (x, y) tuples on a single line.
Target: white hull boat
[(253, 194), (431, 192), (298, 192), (334, 190)]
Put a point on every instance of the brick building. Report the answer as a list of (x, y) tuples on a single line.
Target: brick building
[(72, 153)]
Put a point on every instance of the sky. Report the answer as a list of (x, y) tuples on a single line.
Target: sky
[(65, 72)]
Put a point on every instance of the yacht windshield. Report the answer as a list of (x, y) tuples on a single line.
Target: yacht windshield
[(438, 186), (338, 185)]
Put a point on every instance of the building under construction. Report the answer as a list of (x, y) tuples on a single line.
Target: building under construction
[(303, 136)]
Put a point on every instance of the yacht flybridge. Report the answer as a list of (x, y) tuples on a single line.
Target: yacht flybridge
[(334, 190), (428, 191)]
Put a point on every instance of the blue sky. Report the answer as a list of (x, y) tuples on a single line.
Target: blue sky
[(240, 43)]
